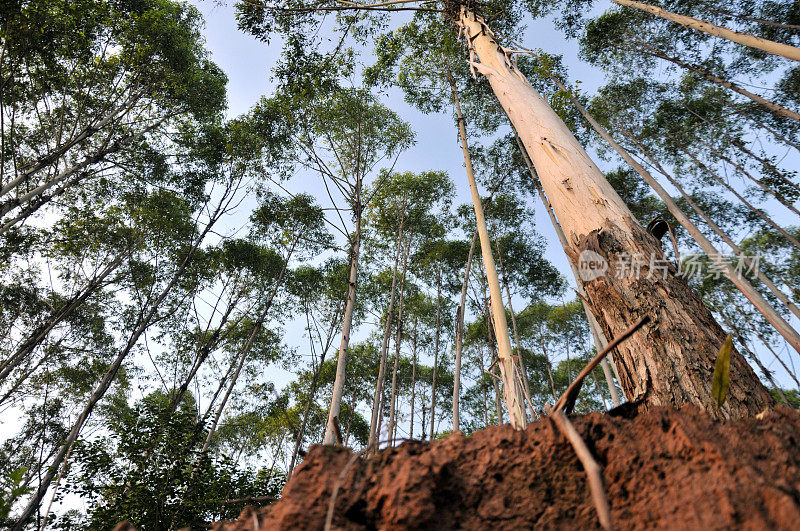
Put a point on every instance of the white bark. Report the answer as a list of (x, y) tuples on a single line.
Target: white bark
[(511, 389), (341, 363)]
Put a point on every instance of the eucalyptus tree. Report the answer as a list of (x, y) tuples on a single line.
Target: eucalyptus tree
[(342, 135), (320, 293)]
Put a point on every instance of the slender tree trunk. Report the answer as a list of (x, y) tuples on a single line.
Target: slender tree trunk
[(597, 333), (739, 196), (719, 232), (523, 370), (58, 152), (435, 351), (397, 343), (387, 331), (760, 336), (708, 76), (414, 383), (483, 390), (459, 332), (513, 395), (66, 174), (498, 400), (493, 359), (671, 361), (775, 48), (347, 323)]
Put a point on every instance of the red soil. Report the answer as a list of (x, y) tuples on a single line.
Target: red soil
[(665, 469)]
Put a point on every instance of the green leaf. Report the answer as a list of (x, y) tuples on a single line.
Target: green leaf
[(722, 381)]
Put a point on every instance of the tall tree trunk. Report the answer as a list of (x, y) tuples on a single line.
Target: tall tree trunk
[(459, 332), (414, 383), (513, 394), (387, 331), (769, 221), (719, 232), (347, 323), (775, 48), (493, 358), (435, 351), (522, 369), (708, 76), (483, 389), (397, 344), (600, 342), (671, 361)]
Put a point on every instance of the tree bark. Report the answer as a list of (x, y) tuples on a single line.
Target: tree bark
[(600, 341), (670, 361), (522, 368), (513, 394), (766, 45), (341, 363)]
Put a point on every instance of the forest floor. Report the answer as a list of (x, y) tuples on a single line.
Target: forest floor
[(663, 469)]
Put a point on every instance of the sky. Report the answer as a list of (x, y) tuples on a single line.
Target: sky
[(248, 62)]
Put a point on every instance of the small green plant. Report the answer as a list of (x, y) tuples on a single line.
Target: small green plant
[(722, 369)]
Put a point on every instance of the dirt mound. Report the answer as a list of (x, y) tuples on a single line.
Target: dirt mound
[(666, 468)]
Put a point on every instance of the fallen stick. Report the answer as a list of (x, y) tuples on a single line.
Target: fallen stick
[(567, 400), (593, 470)]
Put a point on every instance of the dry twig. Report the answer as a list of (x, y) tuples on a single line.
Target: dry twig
[(567, 400), (593, 470)]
